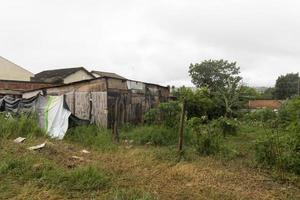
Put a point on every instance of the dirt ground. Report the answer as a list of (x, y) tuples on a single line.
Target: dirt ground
[(139, 168)]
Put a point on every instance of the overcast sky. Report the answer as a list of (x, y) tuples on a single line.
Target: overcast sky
[(153, 40)]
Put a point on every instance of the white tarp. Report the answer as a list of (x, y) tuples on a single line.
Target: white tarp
[(53, 117), (57, 117)]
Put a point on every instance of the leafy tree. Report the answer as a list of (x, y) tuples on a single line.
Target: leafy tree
[(249, 93), (199, 101), (214, 74), (222, 78), (246, 94), (268, 93), (287, 86)]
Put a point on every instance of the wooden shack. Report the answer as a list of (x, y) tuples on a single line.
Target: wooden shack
[(96, 99)]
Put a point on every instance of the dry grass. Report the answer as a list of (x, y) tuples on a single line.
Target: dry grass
[(139, 169)]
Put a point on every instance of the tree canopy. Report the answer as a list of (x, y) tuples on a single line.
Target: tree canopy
[(287, 86), (214, 74), (221, 78)]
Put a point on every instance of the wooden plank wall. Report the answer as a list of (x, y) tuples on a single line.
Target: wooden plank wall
[(82, 105), (89, 106), (99, 108), (70, 100)]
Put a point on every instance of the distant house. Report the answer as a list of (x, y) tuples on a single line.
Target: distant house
[(259, 104), (99, 74), (11, 71), (63, 76)]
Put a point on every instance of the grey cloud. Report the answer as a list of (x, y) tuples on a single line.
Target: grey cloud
[(154, 41)]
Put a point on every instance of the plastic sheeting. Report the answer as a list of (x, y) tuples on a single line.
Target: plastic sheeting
[(53, 116)]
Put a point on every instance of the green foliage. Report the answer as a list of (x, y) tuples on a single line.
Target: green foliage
[(207, 143), (289, 114), (262, 116), (222, 79), (205, 139), (226, 126), (213, 74), (248, 93), (19, 126), (199, 101), (91, 135), (155, 135), (281, 151), (167, 114), (269, 93), (287, 86)]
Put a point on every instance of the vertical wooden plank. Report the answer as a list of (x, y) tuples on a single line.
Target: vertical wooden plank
[(99, 109), (82, 105), (116, 119), (69, 97)]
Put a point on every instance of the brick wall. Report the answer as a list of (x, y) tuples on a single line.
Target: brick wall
[(21, 85)]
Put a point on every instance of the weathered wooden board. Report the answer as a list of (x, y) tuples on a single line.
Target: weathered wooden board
[(99, 108), (82, 105), (70, 100)]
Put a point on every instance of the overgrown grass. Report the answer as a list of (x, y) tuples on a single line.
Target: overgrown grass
[(92, 135), (154, 135), (19, 126), (46, 173)]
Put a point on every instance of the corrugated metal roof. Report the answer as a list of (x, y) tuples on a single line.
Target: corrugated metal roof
[(107, 74), (57, 75)]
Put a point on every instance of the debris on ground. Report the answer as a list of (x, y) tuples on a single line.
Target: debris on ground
[(78, 158), (129, 147), (40, 146), (19, 140), (85, 151)]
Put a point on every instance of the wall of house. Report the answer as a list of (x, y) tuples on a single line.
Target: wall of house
[(95, 100), (78, 76), (11, 71), (133, 102)]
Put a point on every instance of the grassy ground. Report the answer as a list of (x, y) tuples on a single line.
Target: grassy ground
[(128, 171)]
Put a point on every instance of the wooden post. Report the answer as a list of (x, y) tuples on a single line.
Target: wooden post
[(115, 128), (181, 126)]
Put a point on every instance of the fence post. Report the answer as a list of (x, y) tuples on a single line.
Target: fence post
[(181, 126), (115, 128)]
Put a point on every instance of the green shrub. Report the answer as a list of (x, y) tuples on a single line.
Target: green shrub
[(205, 139), (19, 126), (280, 151), (226, 126), (207, 143), (167, 114), (289, 114), (91, 135), (261, 115), (151, 117)]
